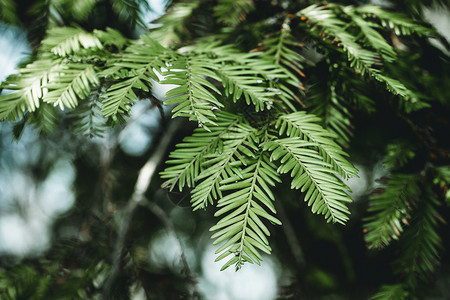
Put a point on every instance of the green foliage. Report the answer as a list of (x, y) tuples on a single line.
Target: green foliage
[(29, 88), (51, 78), (332, 108), (87, 117), (421, 243), (442, 179), (79, 9), (240, 80), (71, 83), (130, 10), (391, 292), (49, 81), (63, 41), (406, 210), (252, 75), (283, 50), (398, 154), (231, 12), (171, 26), (324, 192), (25, 283), (8, 13), (342, 24), (274, 88), (233, 163), (192, 95), (140, 62), (305, 126), (243, 230), (401, 24), (391, 210)]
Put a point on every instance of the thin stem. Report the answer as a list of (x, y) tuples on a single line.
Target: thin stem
[(165, 219), (142, 183)]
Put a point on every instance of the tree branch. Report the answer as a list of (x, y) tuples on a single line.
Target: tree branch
[(164, 218), (142, 183)]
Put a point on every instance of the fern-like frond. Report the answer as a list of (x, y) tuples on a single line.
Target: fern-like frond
[(398, 154), (283, 50), (111, 37), (131, 11), (188, 158), (133, 70), (28, 88), (332, 108), (239, 143), (45, 119), (421, 242), (87, 118), (391, 292), (400, 23), (70, 83), (47, 80), (250, 76), (8, 11), (362, 59), (326, 19), (120, 96), (63, 41), (238, 82), (79, 9), (324, 191), (242, 232), (254, 63), (171, 24), (442, 179), (232, 12), (391, 210), (394, 86), (303, 125), (193, 95)]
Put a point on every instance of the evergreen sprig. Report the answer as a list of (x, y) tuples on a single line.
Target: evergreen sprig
[(54, 77), (333, 109), (140, 62), (232, 12), (305, 126), (401, 24), (87, 118), (238, 144), (338, 23), (391, 292), (8, 11), (391, 210), (284, 50), (71, 82), (325, 193), (63, 41), (28, 88), (235, 164), (193, 94), (421, 243), (242, 228), (171, 26), (188, 158)]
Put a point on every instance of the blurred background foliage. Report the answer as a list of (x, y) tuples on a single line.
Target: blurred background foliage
[(63, 196)]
